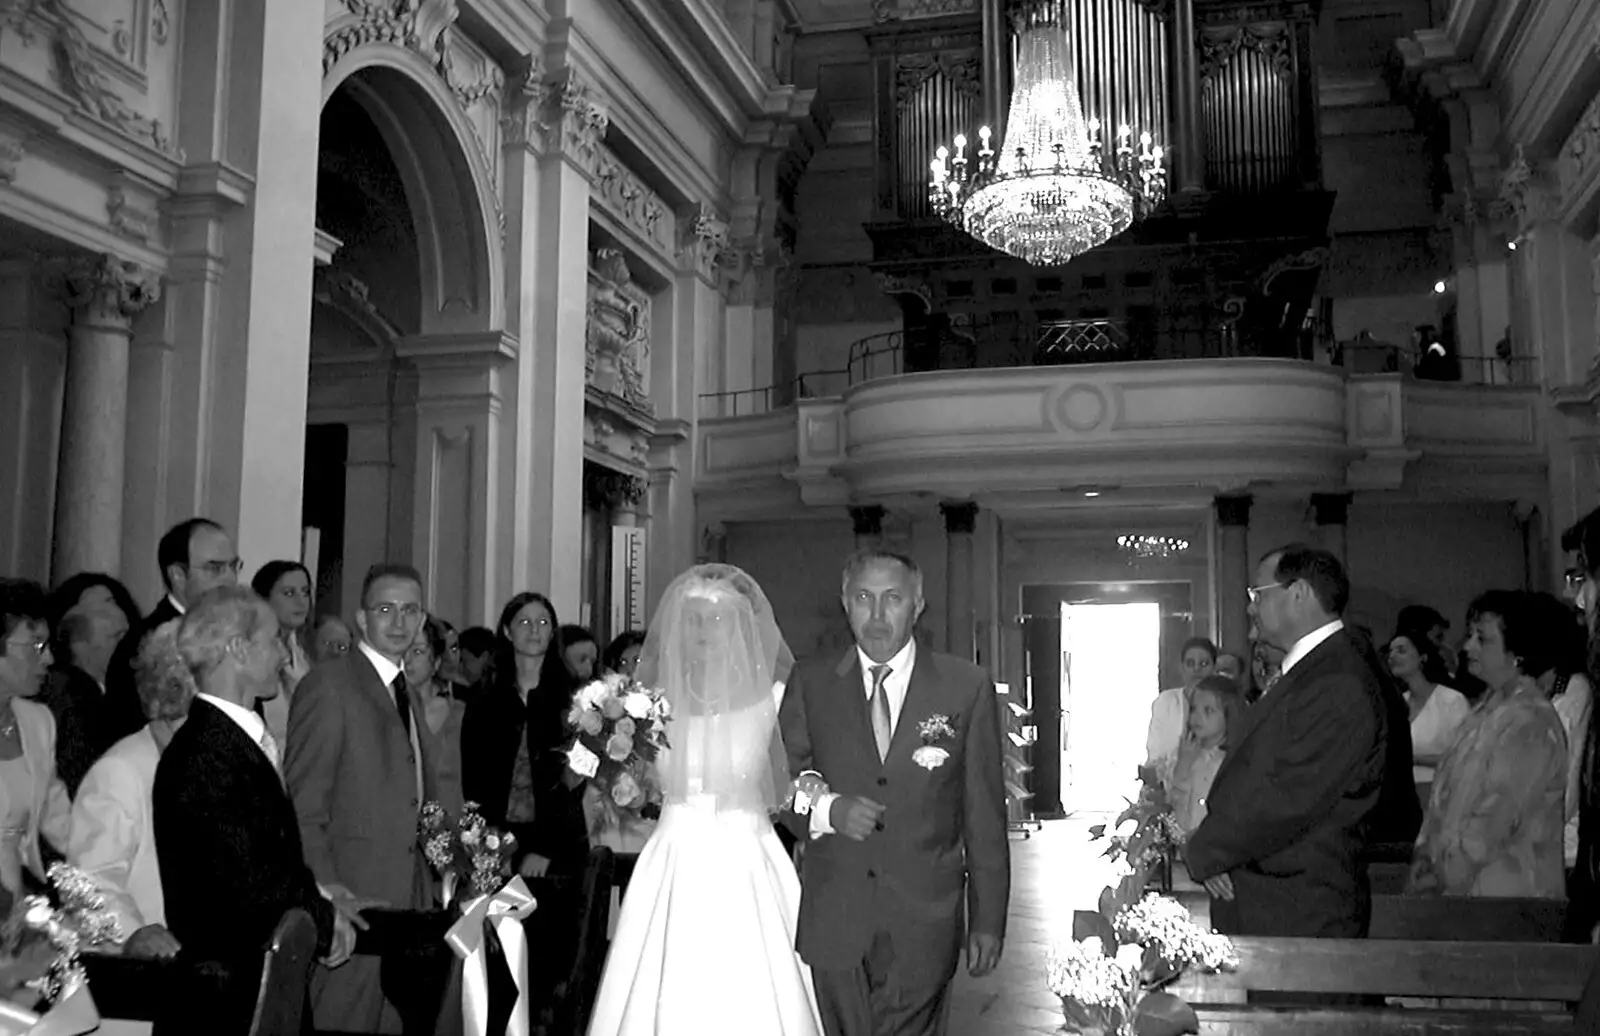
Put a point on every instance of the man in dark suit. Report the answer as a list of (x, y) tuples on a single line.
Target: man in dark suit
[(915, 825), (195, 556), (356, 768), (226, 836), (1280, 849)]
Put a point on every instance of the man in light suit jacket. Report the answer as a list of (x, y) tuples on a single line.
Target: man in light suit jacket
[(908, 853), (1280, 849), (356, 769)]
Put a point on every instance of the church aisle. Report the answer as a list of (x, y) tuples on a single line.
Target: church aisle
[(1054, 872)]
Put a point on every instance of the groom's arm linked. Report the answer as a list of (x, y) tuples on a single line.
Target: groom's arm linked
[(984, 830)]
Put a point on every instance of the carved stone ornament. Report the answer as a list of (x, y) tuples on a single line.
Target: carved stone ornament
[(891, 284), (80, 72), (605, 489), (703, 239), (106, 289), (911, 71), (1218, 48), (1580, 155), (897, 10), (1310, 259), (1594, 285), (13, 146), (127, 216), (623, 195), (1521, 198), (617, 339)]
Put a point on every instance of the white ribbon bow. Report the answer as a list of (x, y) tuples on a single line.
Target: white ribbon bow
[(505, 910), (72, 1016)]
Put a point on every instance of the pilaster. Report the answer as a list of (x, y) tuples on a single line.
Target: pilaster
[(33, 340), (1233, 570), (960, 522)]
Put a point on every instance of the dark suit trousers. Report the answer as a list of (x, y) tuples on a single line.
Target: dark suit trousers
[(870, 999)]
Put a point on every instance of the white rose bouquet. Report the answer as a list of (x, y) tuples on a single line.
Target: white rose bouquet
[(620, 727)]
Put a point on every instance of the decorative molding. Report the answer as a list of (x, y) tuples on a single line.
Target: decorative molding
[(703, 240), (13, 147), (898, 10), (868, 520), (960, 518), (626, 197), (617, 338), (912, 70), (1272, 41), (130, 211), (894, 284), (160, 23), (1233, 509), (753, 273), (1310, 259), (1579, 161), (79, 71), (1594, 286), (107, 290), (605, 489)]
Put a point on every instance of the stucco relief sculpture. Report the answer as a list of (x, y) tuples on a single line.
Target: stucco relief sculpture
[(1580, 155), (618, 334), (107, 290)]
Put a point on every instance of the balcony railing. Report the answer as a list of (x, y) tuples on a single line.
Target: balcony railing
[(998, 343)]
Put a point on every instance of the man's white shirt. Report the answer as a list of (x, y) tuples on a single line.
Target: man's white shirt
[(387, 671), (895, 686), (1307, 644)]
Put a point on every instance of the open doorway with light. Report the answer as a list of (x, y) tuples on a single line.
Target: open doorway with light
[(1110, 673)]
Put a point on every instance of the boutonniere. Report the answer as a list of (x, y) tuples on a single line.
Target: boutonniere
[(932, 730)]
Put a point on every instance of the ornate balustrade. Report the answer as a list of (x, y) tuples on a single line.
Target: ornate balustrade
[(1032, 433)]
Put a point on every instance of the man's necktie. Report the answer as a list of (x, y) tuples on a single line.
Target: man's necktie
[(881, 730), (269, 745), (402, 701)]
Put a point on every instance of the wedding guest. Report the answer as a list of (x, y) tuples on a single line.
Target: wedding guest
[(477, 658), (75, 693), (1570, 691), (450, 661), (89, 588), (227, 840), (1434, 710), (1495, 819), (1426, 624), (113, 833), (286, 586), (1266, 665), (1583, 887), (357, 770), (194, 556), (442, 714), (580, 652), (1231, 665), (1215, 707), (330, 639), (1280, 849), (1170, 712), (622, 654), (33, 801)]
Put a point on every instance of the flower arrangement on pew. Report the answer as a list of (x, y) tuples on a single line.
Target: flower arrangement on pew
[(1144, 855), (468, 852), (621, 728), (1111, 976), (40, 943)]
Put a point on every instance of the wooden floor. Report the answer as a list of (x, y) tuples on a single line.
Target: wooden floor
[(1054, 872)]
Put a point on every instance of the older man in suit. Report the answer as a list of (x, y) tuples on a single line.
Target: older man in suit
[(915, 826), (195, 556), (1280, 849), (225, 831), (357, 773)]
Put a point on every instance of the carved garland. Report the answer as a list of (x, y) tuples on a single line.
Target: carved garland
[(80, 74), (1218, 47), (912, 70), (1580, 155), (895, 10)]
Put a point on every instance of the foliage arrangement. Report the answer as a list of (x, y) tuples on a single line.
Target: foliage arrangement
[(41, 939), (467, 852), (1111, 978), (621, 728)]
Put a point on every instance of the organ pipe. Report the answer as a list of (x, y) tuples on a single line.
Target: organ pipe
[(1248, 103)]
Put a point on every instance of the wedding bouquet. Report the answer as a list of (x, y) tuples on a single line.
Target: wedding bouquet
[(1110, 977), (1148, 849), (40, 941), (468, 851), (621, 727)]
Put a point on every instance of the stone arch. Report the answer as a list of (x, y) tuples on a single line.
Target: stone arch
[(449, 185)]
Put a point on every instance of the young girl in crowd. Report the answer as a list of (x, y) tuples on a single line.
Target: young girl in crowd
[(1214, 708)]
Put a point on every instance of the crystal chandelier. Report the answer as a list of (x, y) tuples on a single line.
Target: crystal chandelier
[(1151, 548), (1052, 191)]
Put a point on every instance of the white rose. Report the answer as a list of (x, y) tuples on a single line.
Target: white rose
[(615, 682), (592, 694), (930, 757), (637, 704), (582, 762)]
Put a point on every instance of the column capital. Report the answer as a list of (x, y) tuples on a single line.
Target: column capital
[(105, 290), (703, 241), (557, 114), (1233, 509), (1330, 508), (868, 519), (613, 490), (960, 517)]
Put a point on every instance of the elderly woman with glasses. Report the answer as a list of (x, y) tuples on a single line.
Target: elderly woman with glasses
[(1495, 818), (33, 801)]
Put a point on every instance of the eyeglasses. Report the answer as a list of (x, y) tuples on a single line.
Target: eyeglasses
[(338, 647), (388, 610), (524, 624), (39, 644), (216, 569), (1255, 592)]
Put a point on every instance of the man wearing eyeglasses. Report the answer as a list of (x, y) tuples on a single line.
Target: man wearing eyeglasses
[(1280, 849), (357, 769), (195, 556)]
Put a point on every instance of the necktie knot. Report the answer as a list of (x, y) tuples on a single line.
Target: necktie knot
[(880, 673), (269, 745)]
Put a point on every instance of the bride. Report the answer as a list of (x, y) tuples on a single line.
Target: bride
[(705, 942)]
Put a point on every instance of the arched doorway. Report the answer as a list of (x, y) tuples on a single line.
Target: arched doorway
[(407, 254)]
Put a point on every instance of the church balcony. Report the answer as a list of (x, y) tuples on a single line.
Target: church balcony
[(1162, 431)]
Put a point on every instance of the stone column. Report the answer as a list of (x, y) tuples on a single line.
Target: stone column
[(33, 324), (960, 520), (105, 294), (868, 524), (553, 133), (1330, 513), (1233, 570)]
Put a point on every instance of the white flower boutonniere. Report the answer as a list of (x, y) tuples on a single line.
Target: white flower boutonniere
[(934, 729)]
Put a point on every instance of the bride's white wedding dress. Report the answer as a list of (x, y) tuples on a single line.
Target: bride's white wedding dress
[(705, 944)]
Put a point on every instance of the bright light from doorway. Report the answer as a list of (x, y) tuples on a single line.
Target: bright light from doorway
[(1111, 672)]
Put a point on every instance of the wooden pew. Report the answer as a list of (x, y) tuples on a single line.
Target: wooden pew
[(1440, 918), (1535, 976)]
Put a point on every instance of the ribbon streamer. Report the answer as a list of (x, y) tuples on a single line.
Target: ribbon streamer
[(504, 910), (71, 1017)]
